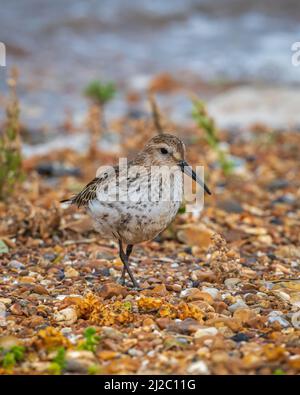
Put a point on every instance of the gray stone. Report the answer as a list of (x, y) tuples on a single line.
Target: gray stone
[(16, 265)]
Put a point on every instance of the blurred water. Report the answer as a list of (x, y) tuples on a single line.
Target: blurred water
[(61, 45)]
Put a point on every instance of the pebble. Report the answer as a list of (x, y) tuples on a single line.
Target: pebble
[(7, 342), (206, 331), (16, 309), (288, 199), (66, 331), (296, 320), (56, 169), (240, 337), (16, 265), (268, 284), (240, 304), (219, 307), (79, 361), (192, 294), (34, 322), (283, 296), (135, 352), (277, 184), (163, 322), (41, 367), (231, 283), (6, 301), (200, 275), (71, 273), (49, 256), (113, 272), (107, 355), (66, 316), (196, 235), (230, 206), (108, 290), (219, 356), (276, 316), (112, 333), (176, 287), (39, 289), (187, 326), (244, 315), (198, 367), (2, 307), (213, 292), (105, 272), (159, 289), (186, 292)]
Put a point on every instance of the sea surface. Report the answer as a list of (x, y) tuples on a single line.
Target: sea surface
[(61, 45)]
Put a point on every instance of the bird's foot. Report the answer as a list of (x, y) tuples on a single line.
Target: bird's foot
[(137, 288)]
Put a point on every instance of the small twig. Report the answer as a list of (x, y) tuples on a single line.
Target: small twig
[(82, 241), (155, 114), (285, 280)]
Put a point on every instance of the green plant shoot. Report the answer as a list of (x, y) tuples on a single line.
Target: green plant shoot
[(100, 93), (207, 124)]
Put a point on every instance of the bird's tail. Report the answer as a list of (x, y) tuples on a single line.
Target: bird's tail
[(69, 201)]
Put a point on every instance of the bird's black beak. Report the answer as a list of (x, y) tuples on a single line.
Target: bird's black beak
[(186, 169)]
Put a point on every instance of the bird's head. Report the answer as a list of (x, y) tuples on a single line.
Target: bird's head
[(169, 150)]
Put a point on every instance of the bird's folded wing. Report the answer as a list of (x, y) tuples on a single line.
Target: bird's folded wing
[(93, 188)]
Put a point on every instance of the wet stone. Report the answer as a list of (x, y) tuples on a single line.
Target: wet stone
[(240, 337)]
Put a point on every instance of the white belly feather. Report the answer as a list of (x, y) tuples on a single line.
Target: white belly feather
[(136, 221)]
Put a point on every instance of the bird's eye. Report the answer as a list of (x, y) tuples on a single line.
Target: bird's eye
[(164, 151)]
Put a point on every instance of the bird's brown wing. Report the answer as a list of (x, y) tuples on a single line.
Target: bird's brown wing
[(89, 192)]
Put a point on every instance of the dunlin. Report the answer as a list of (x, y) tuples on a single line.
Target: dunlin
[(129, 205)]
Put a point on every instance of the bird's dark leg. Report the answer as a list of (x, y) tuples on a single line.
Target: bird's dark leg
[(125, 259), (128, 252), (121, 280)]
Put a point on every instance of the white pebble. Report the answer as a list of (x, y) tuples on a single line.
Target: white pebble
[(276, 316), (214, 292), (67, 316), (198, 367), (209, 331), (240, 304)]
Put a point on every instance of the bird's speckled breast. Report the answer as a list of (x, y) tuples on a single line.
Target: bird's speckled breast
[(137, 221)]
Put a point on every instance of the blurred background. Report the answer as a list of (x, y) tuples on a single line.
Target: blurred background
[(88, 82), (232, 53)]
